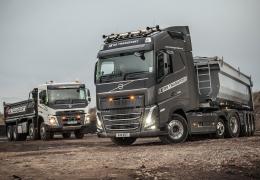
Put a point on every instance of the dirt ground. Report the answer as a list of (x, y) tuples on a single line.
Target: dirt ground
[(94, 158)]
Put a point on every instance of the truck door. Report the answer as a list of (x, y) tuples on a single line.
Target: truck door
[(176, 87), (42, 101)]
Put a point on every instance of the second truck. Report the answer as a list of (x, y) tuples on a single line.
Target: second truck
[(148, 84), (51, 108)]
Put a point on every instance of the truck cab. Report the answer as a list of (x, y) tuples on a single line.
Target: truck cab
[(52, 108), (141, 79)]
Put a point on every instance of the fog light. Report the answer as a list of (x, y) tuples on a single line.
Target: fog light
[(78, 117), (110, 99), (99, 124)]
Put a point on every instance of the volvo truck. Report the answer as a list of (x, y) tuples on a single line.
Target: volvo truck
[(51, 108), (148, 84)]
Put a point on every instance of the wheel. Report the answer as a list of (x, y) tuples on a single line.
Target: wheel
[(232, 125), (220, 131), (15, 133), (32, 132), (66, 135), (245, 128), (253, 125), (17, 136), (124, 141), (44, 133), (249, 125), (51, 135), (177, 130), (9, 133), (79, 134)]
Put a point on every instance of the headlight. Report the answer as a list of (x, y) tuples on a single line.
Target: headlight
[(87, 119), (150, 120), (53, 120), (99, 124)]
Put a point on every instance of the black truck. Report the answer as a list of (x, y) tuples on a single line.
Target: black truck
[(148, 84), (51, 108)]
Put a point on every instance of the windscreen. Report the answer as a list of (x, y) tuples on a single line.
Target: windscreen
[(66, 96), (124, 65)]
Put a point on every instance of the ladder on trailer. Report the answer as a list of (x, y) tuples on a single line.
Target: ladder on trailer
[(204, 79)]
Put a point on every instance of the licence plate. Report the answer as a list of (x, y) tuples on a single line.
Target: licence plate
[(122, 134), (72, 122)]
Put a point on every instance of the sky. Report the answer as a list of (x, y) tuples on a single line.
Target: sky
[(43, 40)]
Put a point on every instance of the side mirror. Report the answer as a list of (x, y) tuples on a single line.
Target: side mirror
[(95, 73), (88, 95)]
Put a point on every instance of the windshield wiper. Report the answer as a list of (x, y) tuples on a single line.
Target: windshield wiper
[(109, 77), (132, 75)]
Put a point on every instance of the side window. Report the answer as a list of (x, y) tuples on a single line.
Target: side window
[(43, 97), (160, 65), (164, 65), (177, 62)]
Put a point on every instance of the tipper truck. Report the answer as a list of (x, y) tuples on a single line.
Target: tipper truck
[(148, 84), (51, 108)]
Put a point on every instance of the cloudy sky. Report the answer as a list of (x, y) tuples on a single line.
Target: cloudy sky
[(59, 39)]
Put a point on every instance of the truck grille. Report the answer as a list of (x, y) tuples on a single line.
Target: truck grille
[(122, 122)]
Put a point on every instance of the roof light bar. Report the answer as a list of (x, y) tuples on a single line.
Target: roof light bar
[(128, 35)]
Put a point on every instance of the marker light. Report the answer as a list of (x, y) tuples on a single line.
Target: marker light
[(78, 116), (63, 117), (110, 99), (132, 97)]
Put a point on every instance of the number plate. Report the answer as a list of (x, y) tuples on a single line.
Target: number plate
[(72, 122), (122, 134)]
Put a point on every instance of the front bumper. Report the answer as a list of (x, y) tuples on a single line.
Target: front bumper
[(65, 128), (142, 134)]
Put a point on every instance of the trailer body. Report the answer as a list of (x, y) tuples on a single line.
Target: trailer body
[(51, 108), (148, 84)]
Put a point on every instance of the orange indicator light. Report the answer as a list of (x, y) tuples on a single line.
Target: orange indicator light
[(132, 97)]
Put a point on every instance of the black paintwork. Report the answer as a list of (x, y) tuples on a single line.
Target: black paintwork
[(175, 93)]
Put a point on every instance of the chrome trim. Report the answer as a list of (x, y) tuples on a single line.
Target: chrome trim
[(120, 119), (123, 114), (122, 124), (112, 92), (123, 81), (122, 129)]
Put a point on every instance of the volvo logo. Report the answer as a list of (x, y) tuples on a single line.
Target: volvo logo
[(120, 86)]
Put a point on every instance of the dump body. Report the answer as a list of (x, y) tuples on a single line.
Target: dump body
[(20, 109), (220, 83)]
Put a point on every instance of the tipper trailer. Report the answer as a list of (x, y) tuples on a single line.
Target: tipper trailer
[(51, 108), (149, 85)]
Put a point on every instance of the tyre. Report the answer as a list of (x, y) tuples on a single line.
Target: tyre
[(124, 141), (79, 134), (44, 133), (220, 131), (17, 136), (253, 125), (232, 125), (177, 130), (244, 128), (32, 132), (9, 133), (66, 135)]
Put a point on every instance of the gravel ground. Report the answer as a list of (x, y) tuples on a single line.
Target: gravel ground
[(94, 158)]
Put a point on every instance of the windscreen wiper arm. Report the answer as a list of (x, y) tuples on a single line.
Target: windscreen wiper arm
[(133, 74)]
